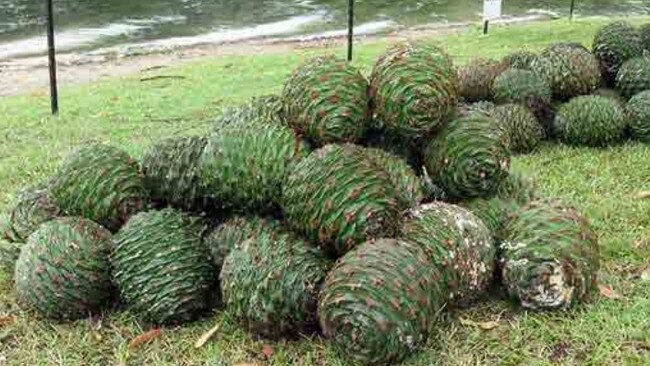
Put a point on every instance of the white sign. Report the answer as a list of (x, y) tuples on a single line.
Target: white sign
[(491, 9)]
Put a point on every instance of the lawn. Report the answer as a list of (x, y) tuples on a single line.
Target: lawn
[(604, 184)]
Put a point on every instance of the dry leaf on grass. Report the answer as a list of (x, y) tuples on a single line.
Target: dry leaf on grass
[(268, 351), (642, 195), (489, 325), (145, 338), (206, 336), (7, 320), (609, 293)]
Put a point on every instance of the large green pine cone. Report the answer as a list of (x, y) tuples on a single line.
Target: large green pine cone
[(638, 114), (468, 158), (568, 70), (521, 127), (477, 77), (63, 270), (378, 303), (550, 257), (406, 182), (590, 120), (161, 267), (522, 60), (414, 89), (326, 100), (614, 44), (171, 172), (235, 231), (523, 87), (458, 244), (33, 207), (270, 283), (633, 77), (340, 198), (101, 183), (243, 167)]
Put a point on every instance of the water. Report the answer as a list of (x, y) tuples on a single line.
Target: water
[(86, 25)]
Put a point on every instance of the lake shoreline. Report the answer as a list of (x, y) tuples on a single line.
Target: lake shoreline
[(30, 75)]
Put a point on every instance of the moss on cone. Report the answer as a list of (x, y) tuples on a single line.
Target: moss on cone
[(477, 77), (162, 268), (101, 183), (457, 243), (326, 100), (339, 197), (63, 271), (633, 77), (468, 158), (591, 121), (171, 172), (614, 44), (378, 302), (271, 282), (414, 89), (550, 257), (638, 114)]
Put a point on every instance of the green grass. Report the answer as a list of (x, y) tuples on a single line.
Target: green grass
[(133, 114)]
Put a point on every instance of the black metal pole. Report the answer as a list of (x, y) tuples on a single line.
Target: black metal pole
[(486, 26), (573, 6), (54, 95), (350, 28)]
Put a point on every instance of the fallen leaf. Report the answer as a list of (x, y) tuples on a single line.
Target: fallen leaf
[(489, 325), (645, 275), (560, 351), (607, 292), (6, 320), (642, 195), (268, 351), (97, 336), (206, 336), (145, 338)]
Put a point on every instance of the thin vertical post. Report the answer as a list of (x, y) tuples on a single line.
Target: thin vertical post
[(54, 95), (350, 28), (573, 6), (486, 26)]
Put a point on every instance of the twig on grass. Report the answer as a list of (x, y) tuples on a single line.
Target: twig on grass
[(159, 77)]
